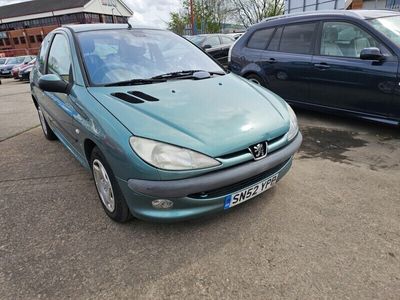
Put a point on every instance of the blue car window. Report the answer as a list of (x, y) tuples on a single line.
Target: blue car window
[(59, 61), (260, 38), (298, 38), (345, 39), (118, 55), (274, 43)]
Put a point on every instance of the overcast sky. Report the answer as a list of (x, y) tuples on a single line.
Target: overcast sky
[(153, 13)]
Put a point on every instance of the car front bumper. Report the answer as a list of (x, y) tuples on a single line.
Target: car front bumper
[(205, 194)]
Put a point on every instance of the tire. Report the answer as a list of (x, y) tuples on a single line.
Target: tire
[(48, 133), (256, 79), (109, 193)]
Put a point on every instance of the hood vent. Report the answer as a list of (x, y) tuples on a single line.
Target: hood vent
[(135, 97), (143, 96), (127, 98)]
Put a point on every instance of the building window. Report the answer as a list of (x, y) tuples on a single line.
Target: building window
[(16, 41), (39, 38), (7, 41), (107, 19), (22, 39), (1, 43), (32, 39)]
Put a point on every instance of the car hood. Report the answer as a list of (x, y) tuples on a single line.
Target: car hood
[(215, 116)]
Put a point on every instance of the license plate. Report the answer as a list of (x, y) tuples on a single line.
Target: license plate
[(250, 192)]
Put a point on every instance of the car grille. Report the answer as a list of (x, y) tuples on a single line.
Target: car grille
[(271, 142), (237, 186)]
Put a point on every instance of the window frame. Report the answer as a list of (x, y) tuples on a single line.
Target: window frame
[(317, 49), (314, 37), (47, 56)]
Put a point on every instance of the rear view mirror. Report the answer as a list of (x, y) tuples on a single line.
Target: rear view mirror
[(53, 83), (371, 54), (205, 47)]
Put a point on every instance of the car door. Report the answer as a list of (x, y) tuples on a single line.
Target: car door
[(287, 61), (342, 80), (58, 107), (226, 43)]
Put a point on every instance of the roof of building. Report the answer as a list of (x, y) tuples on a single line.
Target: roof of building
[(37, 7)]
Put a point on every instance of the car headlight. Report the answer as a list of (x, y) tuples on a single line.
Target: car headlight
[(168, 157), (294, 127)]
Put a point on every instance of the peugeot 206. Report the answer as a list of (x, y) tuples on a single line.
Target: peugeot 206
[(167, 133)]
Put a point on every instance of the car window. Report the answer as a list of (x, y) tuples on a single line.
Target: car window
[(112, 56), (260, 38), (2, 61), (59, 61), (43, 51), (226, 40), (345, 39), (213, 41), (11, 61), (298, 38), (274, 43), (20, 60)]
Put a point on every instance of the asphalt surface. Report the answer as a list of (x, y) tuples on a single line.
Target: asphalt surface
[(329, 230)]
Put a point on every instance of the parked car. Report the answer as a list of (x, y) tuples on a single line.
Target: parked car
[(344, 62), (9, 64), (25, 71), (167, 135), (235, 35), (24, 63), (216, 45)]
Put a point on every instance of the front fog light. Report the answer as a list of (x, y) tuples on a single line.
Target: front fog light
[(162, 204)]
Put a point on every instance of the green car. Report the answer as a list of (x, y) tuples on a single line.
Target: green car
[(167, 133)]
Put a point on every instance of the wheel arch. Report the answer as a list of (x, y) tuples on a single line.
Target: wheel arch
[(88, 146)]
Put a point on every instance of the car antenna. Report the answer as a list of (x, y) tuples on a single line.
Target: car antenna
[(126, 19)]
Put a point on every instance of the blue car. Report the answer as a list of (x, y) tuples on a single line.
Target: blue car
[(342, 62), (166, 132)]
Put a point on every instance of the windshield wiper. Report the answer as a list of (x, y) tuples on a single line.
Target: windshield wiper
[(136, 82), (184, 74)]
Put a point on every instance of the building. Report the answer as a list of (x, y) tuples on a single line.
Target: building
[(24, 25), (294, 6)]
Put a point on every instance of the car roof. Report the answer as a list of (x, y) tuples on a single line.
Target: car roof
[(100, 26), (357, 14)]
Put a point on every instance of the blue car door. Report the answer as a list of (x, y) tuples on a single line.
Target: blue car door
[(287, 61), (342, 80)]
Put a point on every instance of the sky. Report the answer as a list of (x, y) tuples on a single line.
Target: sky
[(154, 13)]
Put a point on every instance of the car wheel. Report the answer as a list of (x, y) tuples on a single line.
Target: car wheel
[(111, 197), (256, 79), (48, 133)]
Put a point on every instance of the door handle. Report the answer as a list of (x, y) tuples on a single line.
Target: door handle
[(322, 66), (272, 60)]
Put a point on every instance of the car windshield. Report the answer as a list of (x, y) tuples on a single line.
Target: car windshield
[(11, 61), (2, 61), (389, 26), (113, 56)]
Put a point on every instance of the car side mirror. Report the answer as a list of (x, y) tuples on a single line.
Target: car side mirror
[(205, 47), (372, 53), (53, 83)]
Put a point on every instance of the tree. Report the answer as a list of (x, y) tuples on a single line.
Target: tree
[(249, 12), (209, 15), (178, 22)]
